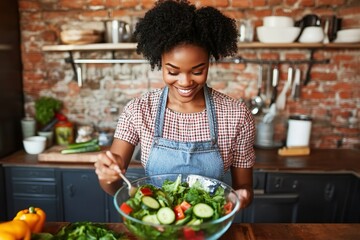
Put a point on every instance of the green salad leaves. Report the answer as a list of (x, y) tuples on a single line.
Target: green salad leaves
[(174, 204)]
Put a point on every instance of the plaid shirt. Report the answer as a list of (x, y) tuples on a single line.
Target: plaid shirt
[(236, 129)]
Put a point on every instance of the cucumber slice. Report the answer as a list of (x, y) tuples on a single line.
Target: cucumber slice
[(150, 202), (183, 221), (165, 215), (151, 219), (202, 210)]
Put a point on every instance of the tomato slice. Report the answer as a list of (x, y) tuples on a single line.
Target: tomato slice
[(179, 213), (228, 207), (126, 208), (191, 234), (146, 191), (185, 205)]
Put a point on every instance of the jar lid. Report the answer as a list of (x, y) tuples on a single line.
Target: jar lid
[(301, 117)]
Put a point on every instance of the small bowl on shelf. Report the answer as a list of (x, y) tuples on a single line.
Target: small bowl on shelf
[(348, 36), (35, 144), (277, 34), (278, 21), (312, 34)]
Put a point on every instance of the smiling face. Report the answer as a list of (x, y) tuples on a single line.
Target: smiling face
[(185, 70)]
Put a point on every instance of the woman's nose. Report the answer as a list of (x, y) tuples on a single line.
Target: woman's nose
[(185, 79)]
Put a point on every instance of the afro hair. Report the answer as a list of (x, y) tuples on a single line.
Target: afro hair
[(173, 22)]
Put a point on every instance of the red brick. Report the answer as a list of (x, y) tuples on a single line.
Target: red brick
[(28, 5), (147, 3), (72, 4), (49, 36), (332, 3), (241, 4), (331, 76), (96, 2), (94, 15), (274, 2), (112, 3), (306, 3), (61, 15)]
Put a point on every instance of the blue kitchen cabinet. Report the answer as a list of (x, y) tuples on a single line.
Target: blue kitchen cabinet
[(31, 186), (323, 198), (82, 197)]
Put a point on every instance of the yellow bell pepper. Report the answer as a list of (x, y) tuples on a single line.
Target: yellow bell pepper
[(34, 217), (15, 230)]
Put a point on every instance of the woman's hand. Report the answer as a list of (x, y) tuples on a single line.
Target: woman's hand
[(245, 197), (107, 168)]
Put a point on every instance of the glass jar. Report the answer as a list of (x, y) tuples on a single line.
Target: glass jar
[(64, 132)]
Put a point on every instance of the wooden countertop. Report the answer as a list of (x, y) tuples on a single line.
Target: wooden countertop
[(319, 160), (261, 231)]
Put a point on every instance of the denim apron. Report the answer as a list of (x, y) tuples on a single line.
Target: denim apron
[(169, 156)]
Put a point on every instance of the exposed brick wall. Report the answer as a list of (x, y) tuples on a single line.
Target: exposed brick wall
[(332, 97)]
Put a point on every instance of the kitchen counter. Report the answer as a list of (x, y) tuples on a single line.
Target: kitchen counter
[(262, 231), (319, 160)]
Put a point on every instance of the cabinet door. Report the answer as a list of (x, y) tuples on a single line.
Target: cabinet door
[(322, 197), (2, 196), (29, 186), (83, 198), (272, 208), (353, 211)]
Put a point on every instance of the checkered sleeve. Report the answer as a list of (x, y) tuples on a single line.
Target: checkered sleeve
[(244, 154), (126, 126)]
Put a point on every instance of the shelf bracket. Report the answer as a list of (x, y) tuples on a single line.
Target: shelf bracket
[(307, 76)]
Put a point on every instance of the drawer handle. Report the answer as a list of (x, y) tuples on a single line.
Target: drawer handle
[(70, 190), (278, 182), (329, 191)]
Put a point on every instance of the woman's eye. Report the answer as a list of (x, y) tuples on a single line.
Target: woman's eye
[(197, 73), (172, 73)]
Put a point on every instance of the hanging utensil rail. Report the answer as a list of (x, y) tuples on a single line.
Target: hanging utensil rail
[(236, 60)]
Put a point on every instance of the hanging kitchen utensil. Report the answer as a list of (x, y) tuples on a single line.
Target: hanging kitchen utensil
[(268, 87), (281, 100), (295, 91), (79, 75), (257, 102), (275, 80)]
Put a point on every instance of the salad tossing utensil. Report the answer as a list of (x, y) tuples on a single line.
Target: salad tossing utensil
[(132, 189)]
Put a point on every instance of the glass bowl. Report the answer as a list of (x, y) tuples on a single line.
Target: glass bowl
[(212, 229)]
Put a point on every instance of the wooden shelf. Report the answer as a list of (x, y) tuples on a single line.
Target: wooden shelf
[(253, 45), (91, 47)]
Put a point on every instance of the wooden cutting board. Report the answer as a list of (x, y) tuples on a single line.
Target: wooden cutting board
[(53, 154)]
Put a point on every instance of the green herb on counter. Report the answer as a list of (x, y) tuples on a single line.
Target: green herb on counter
[(89, 146), (82, 231)]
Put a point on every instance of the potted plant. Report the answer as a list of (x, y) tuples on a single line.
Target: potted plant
[(45, 110)]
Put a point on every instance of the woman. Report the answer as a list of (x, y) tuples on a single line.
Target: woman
[(185, 127)]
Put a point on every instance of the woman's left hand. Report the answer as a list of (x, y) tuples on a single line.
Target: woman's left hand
[(245, 197)]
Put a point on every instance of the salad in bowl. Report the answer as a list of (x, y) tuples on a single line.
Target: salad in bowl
[(178, 206)]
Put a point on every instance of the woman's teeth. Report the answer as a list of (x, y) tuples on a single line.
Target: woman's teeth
[(184, 91)]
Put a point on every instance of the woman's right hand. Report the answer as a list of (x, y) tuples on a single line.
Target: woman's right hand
[(107, 167)]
